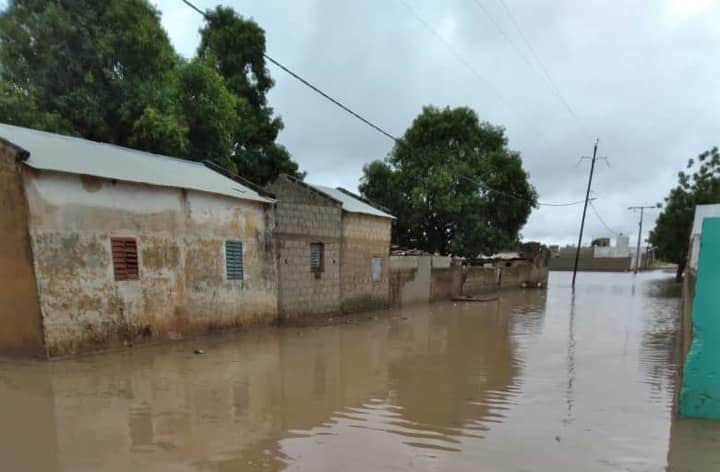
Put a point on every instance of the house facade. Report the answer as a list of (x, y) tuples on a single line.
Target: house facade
[(109, 246), (333, 250), (307, 237)]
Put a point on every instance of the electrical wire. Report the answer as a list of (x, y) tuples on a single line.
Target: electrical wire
[(454, 51), (502, 32), (509, 195), (543, 68), (381, 130), (600, 218), (311, 86)]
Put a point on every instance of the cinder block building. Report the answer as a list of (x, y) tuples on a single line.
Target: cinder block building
[(333, 250), (103, 246)]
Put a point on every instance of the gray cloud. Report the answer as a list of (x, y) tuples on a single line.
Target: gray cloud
[(640, 75)]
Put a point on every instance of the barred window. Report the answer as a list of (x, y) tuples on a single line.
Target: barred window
[(125, 258), (234, 260), (317, 257)]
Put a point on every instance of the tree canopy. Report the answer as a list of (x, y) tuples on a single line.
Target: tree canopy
[(107, 71), (671, 235), (453, 185)]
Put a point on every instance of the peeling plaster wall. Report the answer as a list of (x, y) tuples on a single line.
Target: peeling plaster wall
[(305, 216), (20, 324), (364, 238), (182, 289), (410, 279)]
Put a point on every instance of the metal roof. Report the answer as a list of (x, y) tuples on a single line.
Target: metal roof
[(55, 152), (349, 203)]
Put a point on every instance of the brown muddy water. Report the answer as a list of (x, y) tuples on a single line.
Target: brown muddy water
[(538, 381)]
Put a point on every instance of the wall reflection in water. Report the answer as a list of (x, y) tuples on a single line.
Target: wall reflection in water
[(426, 375), (537, 381)]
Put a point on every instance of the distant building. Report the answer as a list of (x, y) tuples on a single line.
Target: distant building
[(102, 246), (333, 249)]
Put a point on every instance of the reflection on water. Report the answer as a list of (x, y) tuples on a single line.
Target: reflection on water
[(536, 381)]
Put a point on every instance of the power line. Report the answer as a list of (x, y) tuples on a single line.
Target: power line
[(503, 33), (317, 90), (510, 195), (377, 127), (543, 68), (331, 99), (454, 51), (600, 218)]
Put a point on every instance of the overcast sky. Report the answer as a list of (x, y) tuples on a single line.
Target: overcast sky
[(641, 75)]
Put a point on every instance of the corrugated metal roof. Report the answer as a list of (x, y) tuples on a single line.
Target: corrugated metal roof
[(55, 152), (350, 203)]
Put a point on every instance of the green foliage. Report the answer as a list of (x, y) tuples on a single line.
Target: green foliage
[(107, 71), (235, 47), (437, 182), (671, 235)]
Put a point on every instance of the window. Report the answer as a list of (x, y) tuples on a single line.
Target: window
[(317, 257), (125, 258), (234, 260), (377, 268)]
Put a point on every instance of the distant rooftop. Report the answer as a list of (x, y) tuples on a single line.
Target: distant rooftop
[(350, 203), (55, 152)]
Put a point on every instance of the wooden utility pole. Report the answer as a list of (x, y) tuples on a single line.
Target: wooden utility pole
[(637, 251), (582, 222)]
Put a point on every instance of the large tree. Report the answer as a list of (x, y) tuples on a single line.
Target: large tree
[(107, 71), (699, 184), (453, 185)]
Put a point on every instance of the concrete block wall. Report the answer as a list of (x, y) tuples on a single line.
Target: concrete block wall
[(364, 238), (481, 280), (304, 216), (301, 292)]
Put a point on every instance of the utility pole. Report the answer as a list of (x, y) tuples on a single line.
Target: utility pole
[(637, 251), (582, 222)]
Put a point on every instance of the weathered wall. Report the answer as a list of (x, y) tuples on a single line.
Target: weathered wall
[(182, 289), (481, 280), (591, 264), (20, 323), (304, 216), (409, 279), (446, 279), (700, 394), (364, 237)]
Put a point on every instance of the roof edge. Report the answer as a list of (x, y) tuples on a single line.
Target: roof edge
[(310, 187), (368, 202), (241, 180), (22, 154)]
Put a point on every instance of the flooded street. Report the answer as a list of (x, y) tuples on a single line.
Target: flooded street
[(538, 381)]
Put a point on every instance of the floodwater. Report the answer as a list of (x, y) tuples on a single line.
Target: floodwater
[(538, 381)]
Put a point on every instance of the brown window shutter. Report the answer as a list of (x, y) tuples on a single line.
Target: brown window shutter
[(125, 259)]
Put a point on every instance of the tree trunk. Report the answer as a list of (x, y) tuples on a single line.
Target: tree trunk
[(680, 270)]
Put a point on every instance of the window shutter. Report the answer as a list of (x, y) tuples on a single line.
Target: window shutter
[(234, 260), (125, 258), (316, 257)]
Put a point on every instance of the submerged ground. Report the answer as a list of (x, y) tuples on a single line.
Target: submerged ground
[(538, 381)]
